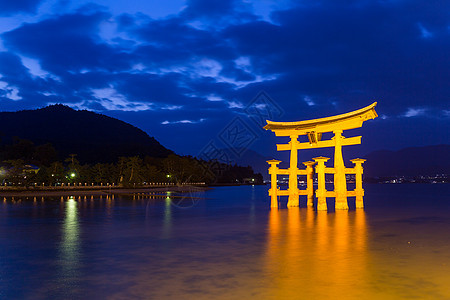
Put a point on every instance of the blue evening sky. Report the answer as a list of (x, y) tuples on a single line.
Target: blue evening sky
[(203, 73)]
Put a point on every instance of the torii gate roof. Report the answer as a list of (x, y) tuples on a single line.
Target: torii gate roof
[(345, 121)]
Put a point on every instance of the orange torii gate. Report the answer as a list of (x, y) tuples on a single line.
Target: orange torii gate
[(314, 129)]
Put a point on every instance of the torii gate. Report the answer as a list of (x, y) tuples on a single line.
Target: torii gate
[(314, 130)]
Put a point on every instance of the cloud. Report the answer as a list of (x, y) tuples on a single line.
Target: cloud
[(18, 83), (68, 43), (308, 100), (110, 99), (9, 8), (11, 67), (211, 59), (347, 53), (182, 122), (10, 92), (235, 104), (424, 32), (217, 13), (414, 112)]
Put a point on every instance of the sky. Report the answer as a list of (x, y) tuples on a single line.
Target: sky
[(204, 75)]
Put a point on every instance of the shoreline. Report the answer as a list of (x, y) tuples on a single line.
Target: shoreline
[(101, 191)]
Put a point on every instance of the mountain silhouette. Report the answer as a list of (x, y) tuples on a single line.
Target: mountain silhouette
[(91, 136), (415, 161)]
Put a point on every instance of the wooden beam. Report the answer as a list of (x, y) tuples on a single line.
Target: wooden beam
[(349, 170), (283, 192), (330, 171), (351, 193), (283, 171), (330, 143), (283, 147), (321, 144), (346, 121)]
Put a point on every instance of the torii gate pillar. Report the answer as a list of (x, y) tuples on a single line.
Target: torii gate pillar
[(293, 171), (273, 171), (321, 191), (359, 192), (309, 182), (340, 184)]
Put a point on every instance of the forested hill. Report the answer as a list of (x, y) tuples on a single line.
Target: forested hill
[(416, 161), (93, 137)]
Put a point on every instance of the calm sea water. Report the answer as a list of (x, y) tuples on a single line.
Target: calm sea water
[(227, 244)]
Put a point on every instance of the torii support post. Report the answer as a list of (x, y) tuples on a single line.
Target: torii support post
[(321, 192), (309, 182), (273, 171), (293, 171), (340, 183), (358, 178)]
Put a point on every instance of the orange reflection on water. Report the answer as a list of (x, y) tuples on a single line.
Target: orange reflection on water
[(316, 254)]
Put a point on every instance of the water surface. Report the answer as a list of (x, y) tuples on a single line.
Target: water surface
[(227, 244)]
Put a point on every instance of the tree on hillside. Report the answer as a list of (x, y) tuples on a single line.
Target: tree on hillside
[(20, 149), (74, 168), (45, 154), (183, 169), (15, 172), (57, 173), (100, 173), (152, 174), (131, 170)]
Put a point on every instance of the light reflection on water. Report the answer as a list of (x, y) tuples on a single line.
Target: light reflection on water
[(229, 245), (69, 251), (167, 225), (319, 253)]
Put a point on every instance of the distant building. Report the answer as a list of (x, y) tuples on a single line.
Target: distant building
[(30, 169)]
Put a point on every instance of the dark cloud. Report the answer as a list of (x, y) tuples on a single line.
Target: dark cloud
[(161, 89), (217, 13), (67, 43), (374, 50), (8, 8), (22, 88), (206, 64), (11, 68), (170, 41), (208, 8)]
